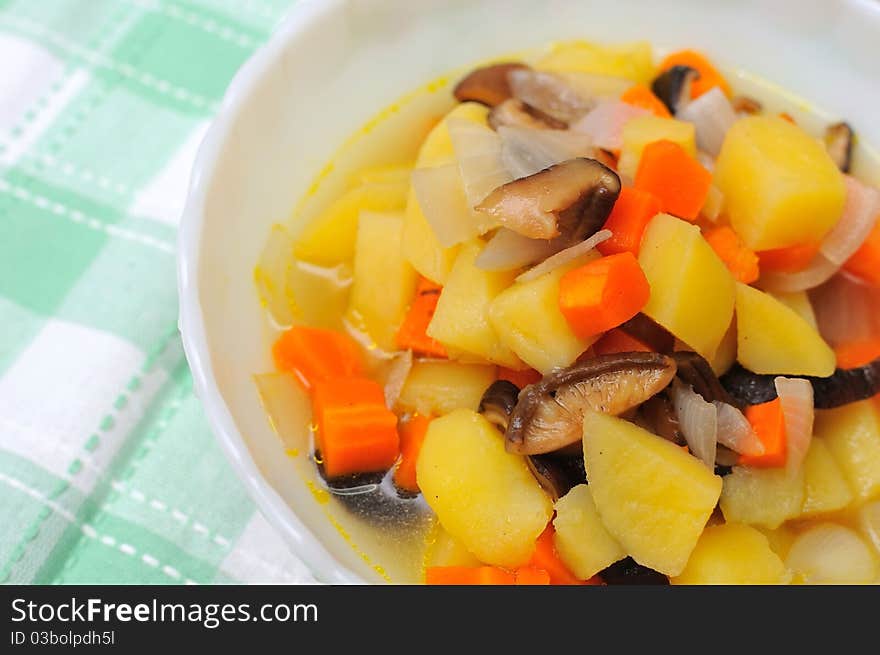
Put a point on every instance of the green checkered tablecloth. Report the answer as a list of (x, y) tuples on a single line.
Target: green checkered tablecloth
[(108, 470)]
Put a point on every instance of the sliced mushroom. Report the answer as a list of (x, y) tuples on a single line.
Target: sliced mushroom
[(558, 474), (498, 402), (839, 142), (650, 333), (488, 85), (516, 113), (843, 387), (659, 415), (693, 369), (549, 94), (572, 198), (550, 413), (673, 86), (746, 105)]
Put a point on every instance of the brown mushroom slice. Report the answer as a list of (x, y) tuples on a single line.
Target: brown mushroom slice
[(558, 474), (549, 414), (693, 369), (746, 105), (516, 113), (488, 85), (572, 198), (498, 402), (673, 86), (650, 333), (839, 143), (659, 414)]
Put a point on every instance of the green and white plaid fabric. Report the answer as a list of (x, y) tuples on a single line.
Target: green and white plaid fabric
[(108, 470)]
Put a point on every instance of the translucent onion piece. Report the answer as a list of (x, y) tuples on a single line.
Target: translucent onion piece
[(442, 200), (478, 153), (396, 376), (508, 250), (699, 422), (847, 310), (735, 431), (869, 522), (860, 214), (549, 93), (831, 554), (818, 272), (287, 405), (796, 396), (525, 150), (604, 124), (563, 257), (271, 275), (712, 115)]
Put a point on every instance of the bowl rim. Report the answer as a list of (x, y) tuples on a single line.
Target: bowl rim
[(306, 546)]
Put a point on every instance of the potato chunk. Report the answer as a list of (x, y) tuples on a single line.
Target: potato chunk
[(692, 292), (633, 61), (384, 283), (826, 488), (773, 338), (581, 539), (780, 186), (852, 434), (764, 497), (653, 497), (461, 320), (527, 319), (733, 553), (643, 130), (439, 387), (483, 496)]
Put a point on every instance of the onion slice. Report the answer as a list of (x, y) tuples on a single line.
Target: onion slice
[(478, 153), (441, 197), (735, 431), (712, 116), (818, 272), (525, 151), (796, 396), (508, 250), (860, 214), (549, 94), (604, 124), (847, 310), (699, 422), (563, 257), (396, 376), (287, 405)]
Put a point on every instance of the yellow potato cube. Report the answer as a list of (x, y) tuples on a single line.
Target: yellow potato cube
[(634, 61), (725, 356), (732, 553), (774, 339), (799, 303), (653, 497), (580, 538), (461, 319), (692, 292), (852, 434), (764, 497), (420, 245), (643, 130), (780, 186), (384, 283), (439, 387), (483, 496), (527, 319), (445, 550), (826, 488)]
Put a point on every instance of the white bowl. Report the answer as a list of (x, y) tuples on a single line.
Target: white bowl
[(331, 66)]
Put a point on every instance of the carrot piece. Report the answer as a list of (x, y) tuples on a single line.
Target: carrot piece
[(865, 263), (709, 75), (618, 341), (739, 259), (545, 557), (313, 354), (788, 260), (857, 353), (768, 422), (630, 216), (519, 378), (356, 433), (641, 96), (468, 575), (529, 575), (412, 434), (603, 293), (679, 181), (412, 334), (787, 117)]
